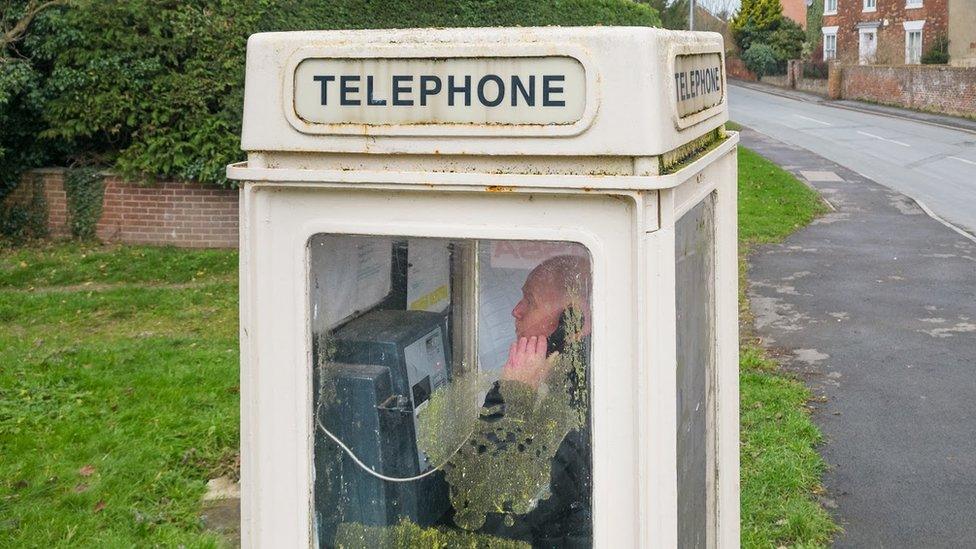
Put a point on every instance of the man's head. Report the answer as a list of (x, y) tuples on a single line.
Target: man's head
[(549, 289)]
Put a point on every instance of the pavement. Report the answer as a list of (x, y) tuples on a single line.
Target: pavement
[(874, 306), (931, 158)]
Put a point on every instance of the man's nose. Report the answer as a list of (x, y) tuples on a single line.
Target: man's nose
[(519, 309)]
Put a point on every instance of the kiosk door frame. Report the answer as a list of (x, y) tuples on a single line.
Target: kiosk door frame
[(277, 221)]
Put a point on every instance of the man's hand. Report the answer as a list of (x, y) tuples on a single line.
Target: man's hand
[(527, 361)]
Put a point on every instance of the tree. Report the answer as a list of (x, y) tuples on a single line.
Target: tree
[(16, 19), (674, 13), (787, 40), (755, 21), (20, 113), (815, 24)]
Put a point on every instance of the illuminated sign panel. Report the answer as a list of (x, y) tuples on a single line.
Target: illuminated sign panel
[(512, 91), (699, 82)]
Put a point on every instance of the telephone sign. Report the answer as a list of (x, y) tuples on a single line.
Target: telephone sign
[(482, 90)]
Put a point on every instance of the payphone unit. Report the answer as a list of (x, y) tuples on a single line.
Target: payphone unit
[(385, 365)]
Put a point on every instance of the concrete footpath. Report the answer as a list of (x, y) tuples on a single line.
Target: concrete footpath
[(874, 305)]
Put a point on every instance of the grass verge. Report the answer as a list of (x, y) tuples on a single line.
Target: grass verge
[(780, 466)]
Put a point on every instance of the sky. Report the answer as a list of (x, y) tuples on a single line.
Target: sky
[(718, 5)]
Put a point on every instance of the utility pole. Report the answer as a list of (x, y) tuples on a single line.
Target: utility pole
[(691, 14)]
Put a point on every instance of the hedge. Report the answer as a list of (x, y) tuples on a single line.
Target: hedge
[(154, 88)]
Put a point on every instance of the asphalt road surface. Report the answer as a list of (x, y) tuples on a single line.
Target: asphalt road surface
[(931, 164)]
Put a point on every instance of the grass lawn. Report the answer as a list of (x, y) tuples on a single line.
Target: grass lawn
[(118, 392)]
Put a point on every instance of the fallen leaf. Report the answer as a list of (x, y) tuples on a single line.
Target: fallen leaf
[(23, 264), (100, 505), (81, 487), (87, 471)]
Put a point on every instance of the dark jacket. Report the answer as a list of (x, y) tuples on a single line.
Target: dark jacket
[(565, 518)]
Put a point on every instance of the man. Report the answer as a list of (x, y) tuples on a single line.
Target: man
[(546, 295), (552, 322)]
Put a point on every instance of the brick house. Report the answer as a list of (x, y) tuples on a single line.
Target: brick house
[(962, 33), (883, 32), (795, 10)]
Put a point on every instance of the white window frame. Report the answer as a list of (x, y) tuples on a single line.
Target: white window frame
[(911, 4), (828, 11), (831, 32), (912, 27), (871, 5)]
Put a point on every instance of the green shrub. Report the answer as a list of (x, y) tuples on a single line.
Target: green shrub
[(787, 41), (155, 87), (760, 59), (938, 54), (19, 123), (762, 22)]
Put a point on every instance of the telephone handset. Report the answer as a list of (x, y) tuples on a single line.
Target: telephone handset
[(557, 340)]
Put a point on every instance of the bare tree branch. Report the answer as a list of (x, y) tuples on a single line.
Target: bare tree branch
[(19, 30)]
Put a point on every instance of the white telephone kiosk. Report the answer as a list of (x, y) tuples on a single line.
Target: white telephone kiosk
[(488, 290)]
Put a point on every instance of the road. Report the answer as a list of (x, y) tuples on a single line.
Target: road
[(931, 164)]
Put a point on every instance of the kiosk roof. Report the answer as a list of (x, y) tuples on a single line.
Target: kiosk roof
[(560, 91)]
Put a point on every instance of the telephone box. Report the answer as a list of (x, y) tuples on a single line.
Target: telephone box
[(488, 290)]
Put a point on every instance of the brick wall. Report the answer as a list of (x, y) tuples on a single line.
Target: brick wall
[(949, 90), (736, 68), (188, 215), (52, 181), (49, 183), (890, 15), (794, 78), (816, 86)]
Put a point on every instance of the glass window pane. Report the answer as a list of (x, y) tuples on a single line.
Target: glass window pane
[(695, 304), (830, 46), (916, 41), (451, 393)]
